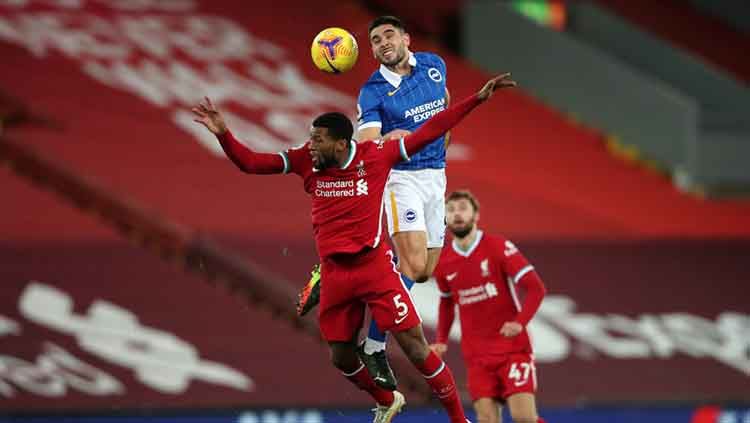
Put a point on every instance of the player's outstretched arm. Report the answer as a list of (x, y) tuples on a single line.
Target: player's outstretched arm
[(450, 117), (246, 159)]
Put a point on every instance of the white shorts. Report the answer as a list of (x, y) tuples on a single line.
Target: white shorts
[(415, 201)]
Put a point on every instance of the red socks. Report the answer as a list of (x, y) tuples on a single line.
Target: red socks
[(361, 378), (440, 379)]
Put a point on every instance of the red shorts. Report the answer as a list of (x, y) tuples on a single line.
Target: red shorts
[(366, 279), (501, 376)]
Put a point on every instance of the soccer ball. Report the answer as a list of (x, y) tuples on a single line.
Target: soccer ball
[(334, 50)]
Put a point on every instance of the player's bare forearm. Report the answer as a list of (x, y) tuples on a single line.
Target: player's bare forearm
[(396, 134), (248, 160)]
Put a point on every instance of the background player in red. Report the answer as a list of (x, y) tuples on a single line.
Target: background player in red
[(480, 273), (346, 181)]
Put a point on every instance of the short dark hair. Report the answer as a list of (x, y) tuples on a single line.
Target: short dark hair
[(386, 20), (339, 126), (463, 195)]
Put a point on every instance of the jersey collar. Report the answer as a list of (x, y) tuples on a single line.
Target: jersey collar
[(352, 152), (392, 77), (472, 247)]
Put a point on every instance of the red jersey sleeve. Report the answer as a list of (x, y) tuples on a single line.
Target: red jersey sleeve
[(392, 150), (248, 160), (522, 274), (437, 126), (297, 159), (446, 309)]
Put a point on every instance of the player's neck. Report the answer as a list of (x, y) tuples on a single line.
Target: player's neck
[(343, 156), (402, 68), (466, 242)]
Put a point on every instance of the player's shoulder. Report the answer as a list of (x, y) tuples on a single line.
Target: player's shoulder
[(375, 79), (372, 89), (299, 148), (366, 147), (493, 241), (501, 246), (429, 58), (493, 238), (297, 157), (447, 254)]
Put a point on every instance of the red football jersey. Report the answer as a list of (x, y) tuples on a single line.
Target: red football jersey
[(347, 202), (482, 281)]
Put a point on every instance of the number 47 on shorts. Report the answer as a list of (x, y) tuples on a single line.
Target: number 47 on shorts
[(520, 372)]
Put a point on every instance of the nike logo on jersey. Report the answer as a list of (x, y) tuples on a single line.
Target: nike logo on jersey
[(391, 93), (451, 276), (397, 321)]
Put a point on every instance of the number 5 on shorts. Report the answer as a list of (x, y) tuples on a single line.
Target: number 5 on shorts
[(401, 308)]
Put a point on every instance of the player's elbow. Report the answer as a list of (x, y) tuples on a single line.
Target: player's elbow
[(542, 290), (241, 165)]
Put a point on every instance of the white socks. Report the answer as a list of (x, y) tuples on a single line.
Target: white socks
[(372, 346)]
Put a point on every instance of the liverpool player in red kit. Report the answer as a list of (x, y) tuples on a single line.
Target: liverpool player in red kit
[(345, 181), (480, 273)]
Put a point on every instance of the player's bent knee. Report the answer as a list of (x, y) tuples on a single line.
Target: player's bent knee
[(524, 417), (413, 345), (418, 353), (487, 411), (344, 358), (487, 417)]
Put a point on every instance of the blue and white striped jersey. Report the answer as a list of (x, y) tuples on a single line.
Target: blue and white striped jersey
[(389, 101)]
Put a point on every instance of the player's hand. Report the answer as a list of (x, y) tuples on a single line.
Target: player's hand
[(439, 349), (396, 134), (500, 81), (511, 329), (207, 115)]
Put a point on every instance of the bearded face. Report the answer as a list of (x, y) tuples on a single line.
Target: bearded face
[(460, 217), (389, 44), (322, 148)]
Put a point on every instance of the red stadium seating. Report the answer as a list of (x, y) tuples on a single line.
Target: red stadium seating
[(122, 101)]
